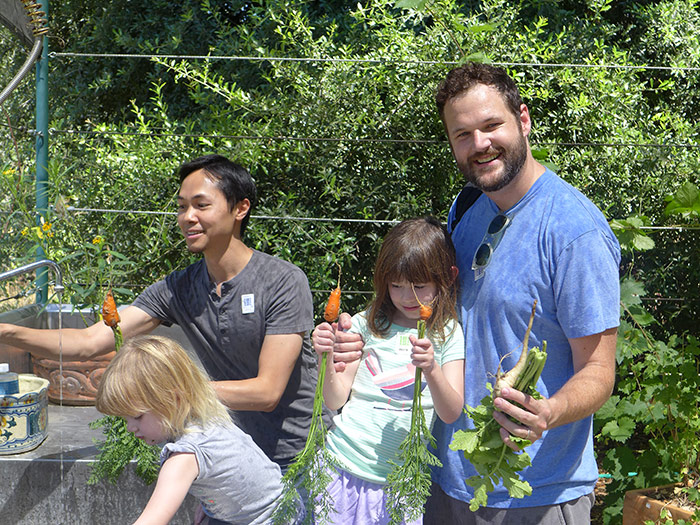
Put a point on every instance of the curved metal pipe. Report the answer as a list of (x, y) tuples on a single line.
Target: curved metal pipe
[(58, 287), (35, 53)]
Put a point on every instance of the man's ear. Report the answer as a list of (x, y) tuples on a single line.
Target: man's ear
[(455, 272), (525, 122), (241, 209)]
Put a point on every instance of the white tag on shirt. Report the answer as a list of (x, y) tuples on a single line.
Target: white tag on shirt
[(403, 344), (248, 303)]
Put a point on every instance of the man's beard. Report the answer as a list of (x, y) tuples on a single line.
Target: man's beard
[(513, 160)]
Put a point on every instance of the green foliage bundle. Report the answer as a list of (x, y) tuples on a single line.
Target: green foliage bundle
[(118, 449), (120, 446), (482, 445), (311, 470)]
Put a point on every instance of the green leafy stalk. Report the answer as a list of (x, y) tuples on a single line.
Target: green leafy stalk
[(493, 460), (118, 338), (408, 484), (311, 469)]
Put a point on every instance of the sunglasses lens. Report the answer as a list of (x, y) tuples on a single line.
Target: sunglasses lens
[(497, 224), (483, 254)]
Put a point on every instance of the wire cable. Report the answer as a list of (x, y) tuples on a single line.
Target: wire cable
[(314, 219), (55, 54), (659, 145)]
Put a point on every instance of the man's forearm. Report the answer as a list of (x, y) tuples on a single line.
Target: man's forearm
[(248, 394), (581, 396), (71, 343)]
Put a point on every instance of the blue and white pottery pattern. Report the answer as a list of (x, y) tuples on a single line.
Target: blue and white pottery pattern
[(24, 416)]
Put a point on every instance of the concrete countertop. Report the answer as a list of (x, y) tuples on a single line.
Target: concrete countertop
[(69, 435), (49, 484)]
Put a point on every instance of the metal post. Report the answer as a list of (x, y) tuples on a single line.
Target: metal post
[(42, 153)]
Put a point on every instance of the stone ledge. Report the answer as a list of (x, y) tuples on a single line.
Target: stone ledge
[(48, 485)]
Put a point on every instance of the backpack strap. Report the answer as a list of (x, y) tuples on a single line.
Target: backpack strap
[(465, 199)]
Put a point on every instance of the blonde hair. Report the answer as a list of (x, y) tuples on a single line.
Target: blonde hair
[(154, 374)]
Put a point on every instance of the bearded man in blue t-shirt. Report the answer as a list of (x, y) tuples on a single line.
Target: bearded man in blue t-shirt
[(528, 236)]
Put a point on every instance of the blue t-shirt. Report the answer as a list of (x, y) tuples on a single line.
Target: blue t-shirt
[(559, 250)]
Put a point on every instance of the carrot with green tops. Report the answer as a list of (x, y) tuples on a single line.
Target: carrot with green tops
[(408, 484), (311, 466), (120, 446)]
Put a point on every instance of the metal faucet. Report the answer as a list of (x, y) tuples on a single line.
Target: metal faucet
[(58, 287)]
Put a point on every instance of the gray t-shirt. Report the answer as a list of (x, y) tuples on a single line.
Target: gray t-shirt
[(269, 296), (237, 483)]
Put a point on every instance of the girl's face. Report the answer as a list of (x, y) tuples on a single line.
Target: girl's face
[(147, 426), (407, 307)]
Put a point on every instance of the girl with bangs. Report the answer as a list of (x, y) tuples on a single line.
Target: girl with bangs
[(416, 265), (166, 398)]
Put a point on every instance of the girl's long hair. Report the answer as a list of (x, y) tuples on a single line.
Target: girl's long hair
[(416, 251), (153, 373)]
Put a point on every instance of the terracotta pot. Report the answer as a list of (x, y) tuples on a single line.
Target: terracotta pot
[(639, 506), (78, 381)]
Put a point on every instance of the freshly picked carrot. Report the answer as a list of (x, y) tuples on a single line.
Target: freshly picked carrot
[(493, 460), (310, 469), (408, 484), (332, 309), (111, 318)]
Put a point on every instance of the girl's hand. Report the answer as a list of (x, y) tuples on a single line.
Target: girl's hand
[(323, 338), (422, 353)]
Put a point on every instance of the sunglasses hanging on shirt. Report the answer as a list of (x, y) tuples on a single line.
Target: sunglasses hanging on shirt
[(492, 237)]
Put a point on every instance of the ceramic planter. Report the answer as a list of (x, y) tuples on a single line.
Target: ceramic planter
[(639, 506), (24, 416)]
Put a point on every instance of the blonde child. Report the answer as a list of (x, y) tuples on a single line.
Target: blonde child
[(164, 397), (416, 264)]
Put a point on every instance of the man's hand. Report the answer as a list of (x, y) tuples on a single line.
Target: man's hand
[(532, 416), (348, 346), (584, 393)]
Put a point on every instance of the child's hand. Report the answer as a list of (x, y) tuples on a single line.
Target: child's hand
[(323, 339), (422, 353)]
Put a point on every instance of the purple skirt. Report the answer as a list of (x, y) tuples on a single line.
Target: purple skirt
[(358, 502)]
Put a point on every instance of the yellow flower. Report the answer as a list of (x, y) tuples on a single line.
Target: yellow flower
[(25, 230), (38, 232), (9, 171), (46, 226), (49, 234), (98, 239)]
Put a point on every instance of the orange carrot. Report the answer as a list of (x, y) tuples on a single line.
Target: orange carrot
[(332, 310), (426, 310), (110, 316)]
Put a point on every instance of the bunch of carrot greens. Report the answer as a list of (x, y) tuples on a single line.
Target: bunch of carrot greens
[(408, 483), (120, 446), (493, 460), (312, 467)]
